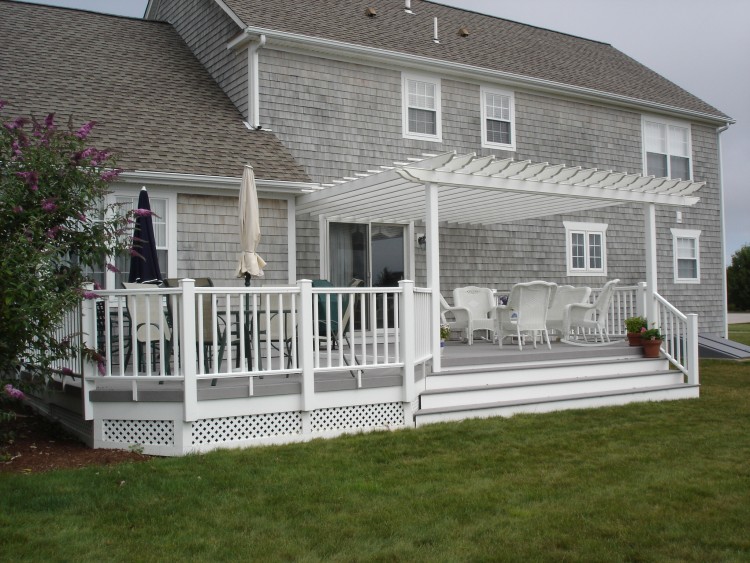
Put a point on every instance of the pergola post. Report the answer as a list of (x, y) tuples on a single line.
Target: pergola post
[(433, 270), (649, 212)]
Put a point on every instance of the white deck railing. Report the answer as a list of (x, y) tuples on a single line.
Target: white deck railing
[(680, 338)]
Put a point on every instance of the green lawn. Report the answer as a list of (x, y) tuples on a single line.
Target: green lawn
[(649, 482), (740, 333)]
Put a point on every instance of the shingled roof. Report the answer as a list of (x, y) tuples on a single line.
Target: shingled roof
[(492, 43), (154, 104)]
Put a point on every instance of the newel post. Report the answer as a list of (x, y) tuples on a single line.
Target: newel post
[(692, 340), (89, 367), (187, 330), (642, 300), (408, 337), (305, 345)]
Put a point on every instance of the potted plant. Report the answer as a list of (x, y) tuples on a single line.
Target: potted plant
[(652, 339), (445, 334), (633, 326)]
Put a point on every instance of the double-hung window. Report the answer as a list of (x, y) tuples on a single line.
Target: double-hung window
[(667, 148), (586, 248), (421, 103), (498, 119), (686, 255), (164, 207)]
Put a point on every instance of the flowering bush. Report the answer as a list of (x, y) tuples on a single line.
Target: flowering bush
[(54, 228)]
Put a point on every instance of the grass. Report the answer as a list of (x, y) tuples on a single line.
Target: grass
[(646, 482), (740, 333)]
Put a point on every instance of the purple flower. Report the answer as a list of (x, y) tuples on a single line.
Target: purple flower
[(113, 268), (18, 209), (52, 233), (89, 295), (17, 123), (101, 367), (109, 175), (49, 122), (31, 179), (66, 371), (14, 393), (85, 129), (3, 103), (48, 205), (142, 212)]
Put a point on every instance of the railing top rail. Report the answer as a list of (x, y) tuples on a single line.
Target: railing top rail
[(357, 290), (671, 308)]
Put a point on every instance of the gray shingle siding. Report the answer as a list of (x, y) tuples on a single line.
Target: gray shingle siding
[(208, 245), (207, 29)]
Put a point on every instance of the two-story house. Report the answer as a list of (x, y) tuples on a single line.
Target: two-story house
[(391, 140)]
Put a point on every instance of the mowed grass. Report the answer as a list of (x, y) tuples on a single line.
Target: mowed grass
[(740, 333), (646, 482)]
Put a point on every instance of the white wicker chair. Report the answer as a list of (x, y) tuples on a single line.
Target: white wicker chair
[(460, 316), (525, 313), (590, 316), (564, 296), (479, 302)]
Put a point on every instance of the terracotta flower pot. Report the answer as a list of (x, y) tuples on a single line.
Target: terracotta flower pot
[(635, 339), (651, 348)]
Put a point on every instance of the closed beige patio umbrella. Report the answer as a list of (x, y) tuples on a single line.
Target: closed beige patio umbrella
[(250, 263)]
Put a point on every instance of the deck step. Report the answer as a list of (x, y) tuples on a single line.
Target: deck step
[(533, 371), (557, 403), (534, 389)]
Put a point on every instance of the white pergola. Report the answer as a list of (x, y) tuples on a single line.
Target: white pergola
[(468, 189)]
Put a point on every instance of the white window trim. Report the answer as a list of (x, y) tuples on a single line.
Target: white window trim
[(405, 77), (572, 227), (667, 122), (171, 220), (691, 234), (483, 90)]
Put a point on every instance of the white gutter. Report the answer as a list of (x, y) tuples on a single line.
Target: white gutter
[(378, 55), (278, 187), (719, 131)]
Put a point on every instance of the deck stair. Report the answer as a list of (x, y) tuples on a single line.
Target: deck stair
[(548, 383)]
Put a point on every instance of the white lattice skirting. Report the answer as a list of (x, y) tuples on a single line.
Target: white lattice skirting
[(143, 432), (232, 431)]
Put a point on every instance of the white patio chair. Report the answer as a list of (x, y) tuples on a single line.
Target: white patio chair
[(564, 296), (525, 313), (460, 316), (590, 316), (480, 302), (152, 324)]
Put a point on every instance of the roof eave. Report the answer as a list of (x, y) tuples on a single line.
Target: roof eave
[(364, 53), (206, 182)]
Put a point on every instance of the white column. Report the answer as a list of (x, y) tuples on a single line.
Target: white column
[(187, 333), (433, 270), (89, 368), (291, 232), (649, 212), (305, 344), (407, 341)]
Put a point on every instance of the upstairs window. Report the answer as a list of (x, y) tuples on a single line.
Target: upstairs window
[(686, 256), (586, 248), (421, 118), (667, 149), (498, 119)]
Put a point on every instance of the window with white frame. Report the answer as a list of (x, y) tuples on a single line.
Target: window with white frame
[(686, 255), (667, 148), (586, 248), (164, 208), (498, 119), (421, 103)]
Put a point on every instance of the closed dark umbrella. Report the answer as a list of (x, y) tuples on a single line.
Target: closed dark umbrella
[(144, 262)]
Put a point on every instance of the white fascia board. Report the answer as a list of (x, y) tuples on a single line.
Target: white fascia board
[(195, 181), (337, 49), (231, 14), (523, 186)]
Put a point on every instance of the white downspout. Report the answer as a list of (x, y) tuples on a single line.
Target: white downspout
[(253, 85), (719, 131)]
